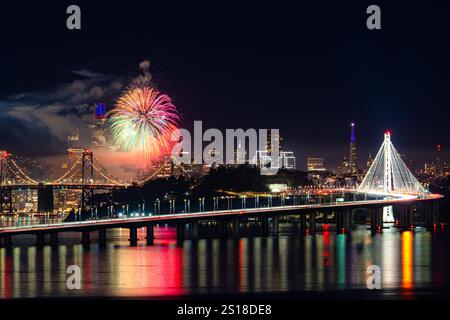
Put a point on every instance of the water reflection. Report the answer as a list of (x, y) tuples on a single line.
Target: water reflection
[(252, 264), (407, 259)]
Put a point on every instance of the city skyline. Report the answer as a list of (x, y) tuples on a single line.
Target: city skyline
[(96, 132), (229, 158)]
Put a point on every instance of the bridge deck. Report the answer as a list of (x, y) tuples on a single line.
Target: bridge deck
[(208, 215)]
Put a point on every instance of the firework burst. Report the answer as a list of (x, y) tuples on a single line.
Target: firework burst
[(143, 121)]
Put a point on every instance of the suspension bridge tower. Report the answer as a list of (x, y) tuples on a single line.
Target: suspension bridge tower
[(6, 205), (87, 180)]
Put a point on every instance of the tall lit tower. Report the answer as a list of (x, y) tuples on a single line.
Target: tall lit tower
[(352, 157), (439, 162), (98, 126)]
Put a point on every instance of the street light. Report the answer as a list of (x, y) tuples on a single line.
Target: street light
[(172, 206), (243, 202), (216, 203), (157, 206)]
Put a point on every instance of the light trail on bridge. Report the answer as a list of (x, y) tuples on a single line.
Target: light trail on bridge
[(205, 215)]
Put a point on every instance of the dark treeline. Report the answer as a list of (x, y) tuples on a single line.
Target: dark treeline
[(218, 181)]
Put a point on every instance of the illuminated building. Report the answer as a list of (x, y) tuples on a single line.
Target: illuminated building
[(316, 169), (164, 168), (208, 159), (269, 142), (240, 154), (439, 162), (315, 164), (73, 150), (287, 160), (436, 169), (342, 169), (98, 126), (262, 159), (369, 161)]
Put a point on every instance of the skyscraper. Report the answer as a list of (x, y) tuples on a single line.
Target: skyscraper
[(315, 164), (352, 157), (98, 126)]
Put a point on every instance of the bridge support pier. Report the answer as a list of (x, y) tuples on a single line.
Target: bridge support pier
[(275, 226), (133, 236), (312, 223), (400, 216), (406, 217), (236, 227), (102, 236), (303, 224), (339, 215), (6, 205), (343, 221), (194, 230), (376, 220), (264, 225), (5, 241), (348, 219), (180, 233), (54, 238), (40, 239), (150, 236), (431, 215), (410, 216), (86, 238), (223, 228)]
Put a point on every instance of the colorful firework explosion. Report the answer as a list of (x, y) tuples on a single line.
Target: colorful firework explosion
[(143, 122)]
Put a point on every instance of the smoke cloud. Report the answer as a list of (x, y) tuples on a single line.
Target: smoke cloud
[(36, 124)]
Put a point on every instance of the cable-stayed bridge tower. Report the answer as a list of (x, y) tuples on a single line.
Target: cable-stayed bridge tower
[(390, 175)]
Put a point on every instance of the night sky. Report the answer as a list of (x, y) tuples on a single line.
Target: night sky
[(309, 69)]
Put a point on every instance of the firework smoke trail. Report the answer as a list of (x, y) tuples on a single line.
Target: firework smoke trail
[(143, 122)]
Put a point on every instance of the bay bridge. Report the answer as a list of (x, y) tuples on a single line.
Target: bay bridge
[(86, 174), (389, 194)]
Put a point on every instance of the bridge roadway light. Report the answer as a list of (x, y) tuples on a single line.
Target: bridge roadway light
[(157, 206), (172, 206), (201, 203)]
